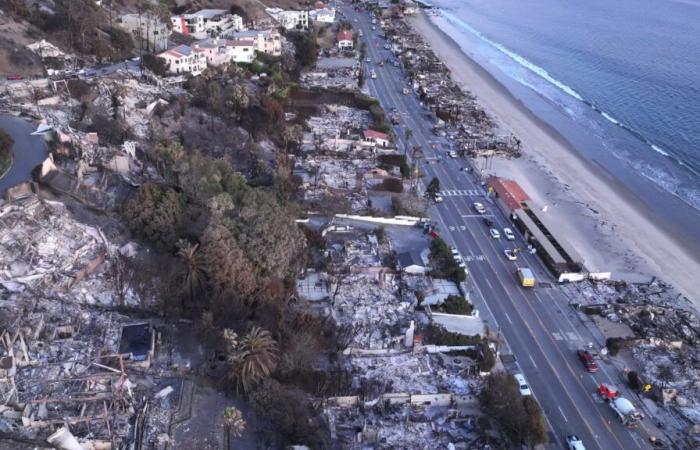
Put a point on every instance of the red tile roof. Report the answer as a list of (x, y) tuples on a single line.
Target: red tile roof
[(345, 35), (509, 191), (373, 134)]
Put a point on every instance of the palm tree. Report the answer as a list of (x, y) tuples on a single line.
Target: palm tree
[(233, 421), (193, 271), (253, 358)]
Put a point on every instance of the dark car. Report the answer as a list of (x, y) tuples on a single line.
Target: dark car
[(15, 77), (588, 361), (488, 222)]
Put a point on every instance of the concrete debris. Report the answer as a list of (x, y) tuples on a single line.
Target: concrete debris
[(460, 117)]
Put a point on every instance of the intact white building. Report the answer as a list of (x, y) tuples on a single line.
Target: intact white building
[(345, 40), (183, 59), (323, 15), (225, 51), (150, 30), (207, 22), (290, 20), (265, 41)]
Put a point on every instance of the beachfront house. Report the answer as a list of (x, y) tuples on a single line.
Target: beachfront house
[(345, 41)]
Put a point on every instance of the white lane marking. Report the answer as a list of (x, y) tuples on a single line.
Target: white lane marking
[(533, 361), (508, 317), (562, 414), (489, 283)]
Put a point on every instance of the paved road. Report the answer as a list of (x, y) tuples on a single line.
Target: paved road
[(29, 151), (540, 328)]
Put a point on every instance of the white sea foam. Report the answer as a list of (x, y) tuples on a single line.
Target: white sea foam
[(610, 118), (660, 150), (514, 56)]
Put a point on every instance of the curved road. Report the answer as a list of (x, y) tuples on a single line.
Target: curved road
[(29, 151)]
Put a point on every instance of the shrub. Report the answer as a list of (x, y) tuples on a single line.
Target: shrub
[(155, 64), (392, 185), (456, 304)]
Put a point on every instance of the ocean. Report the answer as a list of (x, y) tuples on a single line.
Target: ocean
[(623, 77)]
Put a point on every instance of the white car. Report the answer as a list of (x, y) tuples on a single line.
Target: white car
[(510, 255), (454, 251), (574, 443), (494, 233), (508, 233), (373, 74), (522, 384), (479, 207), (438, 198), (452, 154)]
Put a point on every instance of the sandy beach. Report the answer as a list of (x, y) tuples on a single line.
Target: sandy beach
[(611, 229)]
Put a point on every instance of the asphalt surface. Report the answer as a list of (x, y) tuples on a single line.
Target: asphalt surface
[(28, 151), (538, 326)]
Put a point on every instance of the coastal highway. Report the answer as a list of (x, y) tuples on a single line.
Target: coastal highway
[(539, 327)]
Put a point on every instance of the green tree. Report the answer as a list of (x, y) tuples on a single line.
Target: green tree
[(193, 273), (266, 231), (456, 304), (6, 144), (536, 426), (237, 100), (156, 213), (233, 421), (155, 64), (520, 417), (252, 358), (433, 188), (233, 279)]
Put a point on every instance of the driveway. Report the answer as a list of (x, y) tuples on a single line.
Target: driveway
[(29, 151)]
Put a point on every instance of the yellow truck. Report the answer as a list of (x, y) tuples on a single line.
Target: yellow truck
[(527, 278)]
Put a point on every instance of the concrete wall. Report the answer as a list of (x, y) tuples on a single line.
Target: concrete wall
[(401, 398)]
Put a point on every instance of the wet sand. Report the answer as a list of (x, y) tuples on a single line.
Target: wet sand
[(611, 228)]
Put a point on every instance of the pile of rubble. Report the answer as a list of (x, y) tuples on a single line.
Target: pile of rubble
[(72, 367), (461, 117), (338, 73), (405, 394), (665, 340), (44, 250)]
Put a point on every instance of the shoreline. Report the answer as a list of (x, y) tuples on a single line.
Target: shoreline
[(555, 173)]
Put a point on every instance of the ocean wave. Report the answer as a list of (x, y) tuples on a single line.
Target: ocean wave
[(542, 73), (610, 118), (514, 56)]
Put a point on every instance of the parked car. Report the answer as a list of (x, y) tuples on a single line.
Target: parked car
[(522, 384), (479, 207), (574, 443), (511, 255), (508, 233), (15, 77), (587, 360), (438, 198), (495, 233), (452, 154), (454, 251)]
